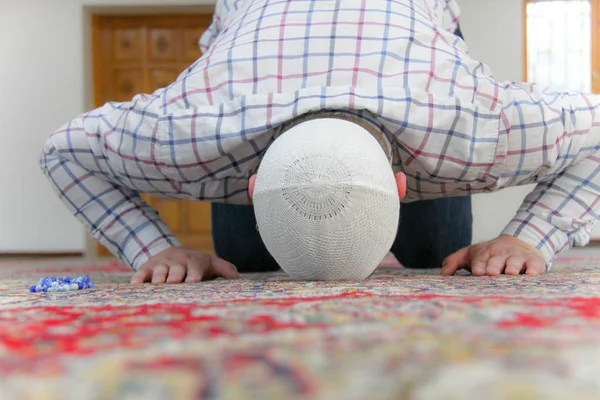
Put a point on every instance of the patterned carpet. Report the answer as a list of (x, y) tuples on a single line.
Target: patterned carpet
[(399, 335)]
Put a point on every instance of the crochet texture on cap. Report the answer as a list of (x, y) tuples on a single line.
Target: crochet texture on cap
[(326, 201)]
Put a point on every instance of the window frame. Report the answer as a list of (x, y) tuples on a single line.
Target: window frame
[(595, 24)]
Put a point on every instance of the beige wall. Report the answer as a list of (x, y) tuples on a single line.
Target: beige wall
[(45, 80)]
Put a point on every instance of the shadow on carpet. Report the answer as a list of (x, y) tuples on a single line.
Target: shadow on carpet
[(401, 334)]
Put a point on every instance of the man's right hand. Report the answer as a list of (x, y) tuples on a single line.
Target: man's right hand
[(178, 264)]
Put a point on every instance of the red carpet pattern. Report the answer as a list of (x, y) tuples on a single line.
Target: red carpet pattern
[(402, 334)]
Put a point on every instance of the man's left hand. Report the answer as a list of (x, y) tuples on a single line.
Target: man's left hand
[(503, 255)]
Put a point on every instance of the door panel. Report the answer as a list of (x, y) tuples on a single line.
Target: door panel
[(126, 45), (126, 83), (162, 45), (139, 54)]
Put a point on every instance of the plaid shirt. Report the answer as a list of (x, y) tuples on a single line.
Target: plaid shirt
[(455, 129)]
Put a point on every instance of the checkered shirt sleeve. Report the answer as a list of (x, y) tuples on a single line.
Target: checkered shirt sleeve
[(554, 141)]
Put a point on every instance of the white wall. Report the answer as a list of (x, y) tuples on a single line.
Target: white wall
[(41, 78), (45, 80)]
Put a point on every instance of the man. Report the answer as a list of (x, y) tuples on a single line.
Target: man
[(395, 64), (429, 231)]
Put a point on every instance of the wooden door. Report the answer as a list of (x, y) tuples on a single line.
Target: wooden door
[(139, 54)]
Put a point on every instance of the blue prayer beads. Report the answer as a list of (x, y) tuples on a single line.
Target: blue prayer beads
[(64, 284)]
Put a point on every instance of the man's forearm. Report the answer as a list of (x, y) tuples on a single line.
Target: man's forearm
[(76, 161), (118, 218), (554, 140)]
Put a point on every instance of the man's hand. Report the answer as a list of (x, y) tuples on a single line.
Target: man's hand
[(504, 254), (178, 264)]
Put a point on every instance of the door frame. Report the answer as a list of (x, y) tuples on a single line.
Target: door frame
[(595, 46)]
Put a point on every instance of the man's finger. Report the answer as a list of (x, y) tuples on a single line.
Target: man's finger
[(176, 273), (455, 261), (196, 270), (514, 266), (535, 266), (220, 267), (160, 274), (496, 265), (479, 262), (141, 276)]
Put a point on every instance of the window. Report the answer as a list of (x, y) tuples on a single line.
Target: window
[(559, 43)]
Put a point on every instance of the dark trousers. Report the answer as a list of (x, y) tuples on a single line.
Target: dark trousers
[(429, 231)]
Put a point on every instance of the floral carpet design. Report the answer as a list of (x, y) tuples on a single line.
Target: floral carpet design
[(401, 334)]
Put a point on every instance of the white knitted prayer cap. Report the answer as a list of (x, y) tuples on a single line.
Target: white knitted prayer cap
[(326, 201)]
